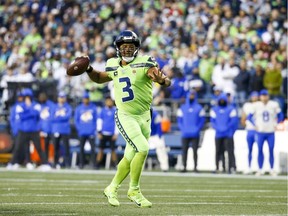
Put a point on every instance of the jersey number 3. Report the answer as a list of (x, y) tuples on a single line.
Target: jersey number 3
[(127, 89)]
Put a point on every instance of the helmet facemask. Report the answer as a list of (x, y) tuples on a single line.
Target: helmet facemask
[(127, 45), (128, 52)]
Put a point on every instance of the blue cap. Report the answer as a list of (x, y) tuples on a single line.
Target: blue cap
[(85, 94), (263, 92), (19, 94), (254, 94), (217, 88), (27, 92), (62, 94)]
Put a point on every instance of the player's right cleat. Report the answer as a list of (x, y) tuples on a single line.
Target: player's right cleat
[(137, 197), (111, 194)]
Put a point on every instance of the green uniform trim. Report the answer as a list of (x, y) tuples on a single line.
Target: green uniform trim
[(123, 133)]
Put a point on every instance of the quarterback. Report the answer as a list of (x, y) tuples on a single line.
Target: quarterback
[(132, 76)]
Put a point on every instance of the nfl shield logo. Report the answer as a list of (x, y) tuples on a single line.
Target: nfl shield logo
[(134, 71)]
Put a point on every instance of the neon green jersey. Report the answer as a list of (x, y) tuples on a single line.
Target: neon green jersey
[(132, 86)]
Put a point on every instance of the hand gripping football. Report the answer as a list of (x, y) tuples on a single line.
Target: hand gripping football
[(78, 66)]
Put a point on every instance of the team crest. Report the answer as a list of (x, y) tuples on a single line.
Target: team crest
[(115, 73)]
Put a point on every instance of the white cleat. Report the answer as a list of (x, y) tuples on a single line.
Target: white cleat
[(45, 167), (260, 173), (9, 166), (30, 166), (273, 173), (15, 166)]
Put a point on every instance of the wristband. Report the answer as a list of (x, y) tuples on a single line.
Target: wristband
[(89, 69)]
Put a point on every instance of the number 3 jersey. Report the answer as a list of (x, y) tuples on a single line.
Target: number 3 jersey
[(265, 116), (132, 86)]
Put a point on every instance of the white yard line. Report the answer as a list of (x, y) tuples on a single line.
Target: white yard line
[(157, 196), (147, 173), (158, 190), (166, 203)]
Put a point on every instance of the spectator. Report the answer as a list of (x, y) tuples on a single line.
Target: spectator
[(61, 129), (156, 141), (242, 83), (256, 80), (223, 117), (6, 78), (85, 118), (196, 83), (191, 118), (206, 66), (273, 82), (264, 116), (177, 87), (107, 132)]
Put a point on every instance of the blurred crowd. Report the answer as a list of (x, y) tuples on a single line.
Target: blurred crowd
[(233, 46)]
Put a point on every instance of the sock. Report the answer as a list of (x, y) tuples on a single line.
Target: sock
[(123, 170), (136, 169)]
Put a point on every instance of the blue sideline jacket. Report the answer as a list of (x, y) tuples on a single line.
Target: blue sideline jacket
[(223, 118), (156, 124), (106, 123), (85, 118), (14, 119), (190, 117), (46, 116), (61, 115), (29, 116)]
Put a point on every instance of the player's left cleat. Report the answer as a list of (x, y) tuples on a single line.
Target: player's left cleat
[(111, 194), (137, 197), (273, 173)]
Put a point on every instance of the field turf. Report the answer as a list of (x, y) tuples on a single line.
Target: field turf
[(72, 192)]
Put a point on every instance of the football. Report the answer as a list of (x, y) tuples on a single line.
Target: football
[(78, 66)]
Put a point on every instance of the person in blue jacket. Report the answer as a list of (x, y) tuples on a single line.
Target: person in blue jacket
[(85, 118), (107, 131), (231, 101), (29, 116), (14, 121), (61, 129), (156, 141), (223, 118), (45, 120), (190, 118)]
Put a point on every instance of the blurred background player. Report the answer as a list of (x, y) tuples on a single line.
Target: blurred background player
[(107, 132), (249, 127), (232, 103), (29, 115), (222, 118), (265, 116), (61, 129), (14, 121), (85, 118), (156, 141), (191, 119), (45, 120)]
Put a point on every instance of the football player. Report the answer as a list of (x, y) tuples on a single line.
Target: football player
[(267, 114), (132, 76), (250, 128)]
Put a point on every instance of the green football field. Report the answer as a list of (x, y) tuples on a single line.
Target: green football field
[(68, 192)]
